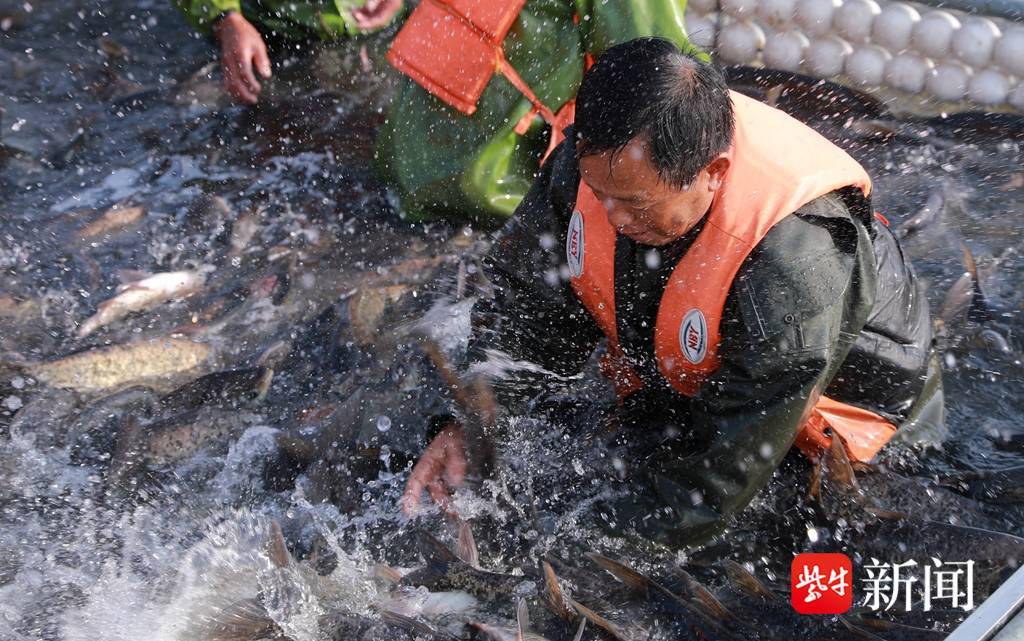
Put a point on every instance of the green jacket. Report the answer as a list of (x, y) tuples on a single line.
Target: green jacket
[(443, 164), (324, 19)]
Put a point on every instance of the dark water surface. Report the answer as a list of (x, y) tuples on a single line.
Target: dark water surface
[(303, 255)]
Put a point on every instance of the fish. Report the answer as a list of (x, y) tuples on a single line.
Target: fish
[(116, 219), (397, 609), (993, 486), (230, 387), (159, 362), (244, 230), (143, 294), (93, 432), (111, 47), (928, 215), (187, 419), (366, 309)]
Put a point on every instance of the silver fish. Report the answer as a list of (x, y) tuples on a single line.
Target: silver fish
[(141, 295)]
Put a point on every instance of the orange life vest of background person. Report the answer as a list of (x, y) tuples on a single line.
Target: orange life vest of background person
[(777, 165), (452, 48)]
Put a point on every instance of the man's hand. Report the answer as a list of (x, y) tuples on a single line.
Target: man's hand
[(375, 14), (241, 48), (441, 469)]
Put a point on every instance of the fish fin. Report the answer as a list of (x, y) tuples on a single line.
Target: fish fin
[(742, 578), (706, 601), (522, 620), (553, 594), (883, 513), (859, 633), (600, 621), (814, 487), (241, 621), (579, 630), (978, 308), (414, 626), (387, 573), (466, 548), (622, 572), (840, 469), (435, 553), (277, 550), (438, 558)]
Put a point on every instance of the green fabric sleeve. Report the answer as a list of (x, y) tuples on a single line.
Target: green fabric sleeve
[(202, 13), (324, 19)]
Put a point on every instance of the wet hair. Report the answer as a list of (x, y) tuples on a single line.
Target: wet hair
[(648, 87)]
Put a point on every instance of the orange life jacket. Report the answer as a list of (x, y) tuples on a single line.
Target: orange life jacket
[(777, 165), (452, 48)]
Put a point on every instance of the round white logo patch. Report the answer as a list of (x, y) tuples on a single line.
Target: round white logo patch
[(574, 245), (693, 336)]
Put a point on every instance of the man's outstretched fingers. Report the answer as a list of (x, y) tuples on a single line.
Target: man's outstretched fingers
[(245, 71), (262, 60), (236, 86)]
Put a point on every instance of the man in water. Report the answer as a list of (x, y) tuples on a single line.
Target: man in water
[(243, 50), (751, 300)]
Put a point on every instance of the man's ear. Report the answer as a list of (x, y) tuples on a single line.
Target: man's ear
[(717, 169)]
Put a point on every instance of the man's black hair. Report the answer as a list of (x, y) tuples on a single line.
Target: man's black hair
[(648, 87)]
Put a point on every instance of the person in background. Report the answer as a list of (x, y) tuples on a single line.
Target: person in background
[(489, 85), (240, 27)]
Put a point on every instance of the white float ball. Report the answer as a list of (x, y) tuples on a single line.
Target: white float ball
[(989, 87), (1017, 96), (895, 25), (866, 65), (777, 13), (701, 6), (740, 41), (739, 8), (1009, 51), (908, 72), (933, 34), (825, 57), (948, 80), (975, 40), (815, 16), (786, 50), (701, 30), (855, 18)]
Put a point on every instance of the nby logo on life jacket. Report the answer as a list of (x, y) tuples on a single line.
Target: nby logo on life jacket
[(574, 245), (693, 336)]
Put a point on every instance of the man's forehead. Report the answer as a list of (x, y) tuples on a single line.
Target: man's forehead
[(629, 163)]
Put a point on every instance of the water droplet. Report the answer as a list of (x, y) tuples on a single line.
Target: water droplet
[(383, 423), (13, 403)]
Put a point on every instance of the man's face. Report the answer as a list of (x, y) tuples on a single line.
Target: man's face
[(640, 205)]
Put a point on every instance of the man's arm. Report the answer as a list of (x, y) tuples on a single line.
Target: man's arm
[(798, 304), (534, 317)]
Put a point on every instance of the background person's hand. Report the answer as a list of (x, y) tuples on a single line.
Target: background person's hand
[(242, 51), (441, 468), (375, 14)]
